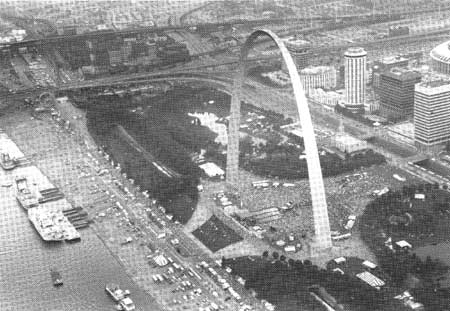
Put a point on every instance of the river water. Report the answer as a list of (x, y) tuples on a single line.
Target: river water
[(25, 262)]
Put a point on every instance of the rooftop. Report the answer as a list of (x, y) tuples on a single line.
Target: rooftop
[(355, 51), (294, 43), (297, 41), (402, 74), (441, 52), (316, 70), (392, 60), (347, 139), (433, 87)]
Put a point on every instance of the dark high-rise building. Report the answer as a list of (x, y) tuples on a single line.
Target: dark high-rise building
[(387, 63), (300, 51), (397, 93)]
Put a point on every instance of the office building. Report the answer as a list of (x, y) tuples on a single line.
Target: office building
[(397, 93), (318, 77), (355, 78), (349, 144), (384, 64), (329, 99), (431, 113), (300, 51)]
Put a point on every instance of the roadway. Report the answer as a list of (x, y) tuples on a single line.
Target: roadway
[(150, 29), (346, 20), (315, 51), (191, 253)]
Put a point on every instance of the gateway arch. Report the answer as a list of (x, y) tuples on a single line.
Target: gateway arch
[(322, 238)]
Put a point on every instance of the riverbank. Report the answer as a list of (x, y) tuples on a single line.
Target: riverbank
[(26, 260)]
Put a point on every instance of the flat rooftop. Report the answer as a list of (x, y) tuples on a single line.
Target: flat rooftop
[(433, 87), (402, 74), (316, 70), (392, 60)]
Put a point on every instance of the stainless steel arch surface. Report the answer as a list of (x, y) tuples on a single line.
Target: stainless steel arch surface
[(322, 239)]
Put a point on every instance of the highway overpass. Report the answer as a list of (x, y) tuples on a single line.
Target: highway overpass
[(368, 18)]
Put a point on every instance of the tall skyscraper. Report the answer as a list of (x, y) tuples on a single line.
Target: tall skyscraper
[(300, 52), (387, 63), (431, 113), (397, 93), (355, 78)]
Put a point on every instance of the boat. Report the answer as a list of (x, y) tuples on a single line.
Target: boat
[(52, 225), (46, 224), (115, 292), (6, 162), (126, 304), (56, 277), (24, 196)]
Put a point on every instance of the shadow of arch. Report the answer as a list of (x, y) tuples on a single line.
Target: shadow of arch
[(322, 238)]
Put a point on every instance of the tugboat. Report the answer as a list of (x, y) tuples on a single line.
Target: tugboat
[(115, 292), (124, 303), (56, 277), (6, 162)]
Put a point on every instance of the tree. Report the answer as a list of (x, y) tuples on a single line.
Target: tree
[(447, 147), (275, 255)]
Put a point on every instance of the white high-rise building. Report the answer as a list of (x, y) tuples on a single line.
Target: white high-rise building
[(318, 77), (431, 113), (355, 78)]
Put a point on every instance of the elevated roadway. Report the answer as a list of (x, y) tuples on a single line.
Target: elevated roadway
[(201, 71), (342, 19)]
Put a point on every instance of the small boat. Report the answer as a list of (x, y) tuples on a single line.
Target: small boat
[(115, 292), (126, 304), (6, 162), (56, 277)]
